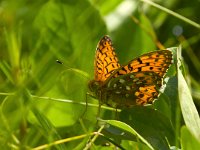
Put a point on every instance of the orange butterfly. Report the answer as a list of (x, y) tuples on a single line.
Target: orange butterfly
[(136, 83)]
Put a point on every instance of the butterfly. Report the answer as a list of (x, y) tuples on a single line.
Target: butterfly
[(136, 83)]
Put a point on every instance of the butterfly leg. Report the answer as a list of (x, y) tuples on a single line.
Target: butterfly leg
[(86, 104), (99, 109)]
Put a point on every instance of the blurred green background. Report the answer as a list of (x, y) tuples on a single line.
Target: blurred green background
[(41, 99)]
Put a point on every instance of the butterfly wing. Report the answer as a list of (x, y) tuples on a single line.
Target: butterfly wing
[(157, 61), (137, 88), (106, 60)]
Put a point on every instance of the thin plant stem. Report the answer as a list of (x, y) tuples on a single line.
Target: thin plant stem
[(62, 141), (94, 138), (172, 13)]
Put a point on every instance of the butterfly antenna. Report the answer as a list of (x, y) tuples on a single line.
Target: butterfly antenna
[(60, 62), (84, 74), (86, 106)]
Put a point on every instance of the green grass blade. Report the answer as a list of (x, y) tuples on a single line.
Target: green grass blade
[(173, 13), (188, 141)]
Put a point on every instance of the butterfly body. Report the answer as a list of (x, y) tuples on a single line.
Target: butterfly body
[(136, 83)]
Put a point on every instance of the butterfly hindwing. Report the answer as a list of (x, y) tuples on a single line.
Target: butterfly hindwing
[(138, 88)]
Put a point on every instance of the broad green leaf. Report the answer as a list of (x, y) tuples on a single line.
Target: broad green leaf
[(124, 129), (189, 111), (168, 102), (152, 125), (188, 141)]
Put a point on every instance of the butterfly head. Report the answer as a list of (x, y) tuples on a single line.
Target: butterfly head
[(94, 85)]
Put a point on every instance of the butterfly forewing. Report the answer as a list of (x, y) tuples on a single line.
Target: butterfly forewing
[(106, 60), (157, 61)]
